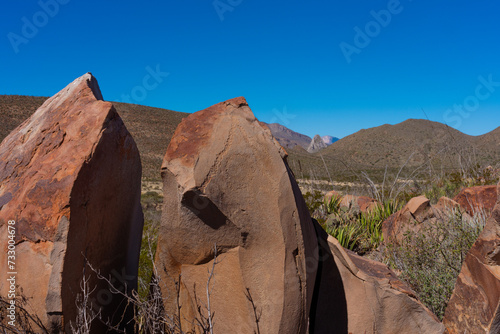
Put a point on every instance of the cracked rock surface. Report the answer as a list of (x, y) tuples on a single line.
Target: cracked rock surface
[(70, 177), (474, 306), (226, 183)]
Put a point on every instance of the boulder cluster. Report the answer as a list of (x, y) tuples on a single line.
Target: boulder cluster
[(236, 240)]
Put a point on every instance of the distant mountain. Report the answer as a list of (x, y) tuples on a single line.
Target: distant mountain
[(413, 143), (489, 142), (329, 140), (422, 140), (414, 140), (288, 138), (316, 145)]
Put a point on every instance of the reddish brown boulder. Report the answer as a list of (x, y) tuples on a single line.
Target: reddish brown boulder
[(226, 184), (417, 211), (474, 305), (357, 203), (329, 195), (357, 295), (367, 204), (447, 204), (70, 177), (480, 198)]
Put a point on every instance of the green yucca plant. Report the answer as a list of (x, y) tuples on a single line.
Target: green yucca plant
[(333, 205), (361, 232)]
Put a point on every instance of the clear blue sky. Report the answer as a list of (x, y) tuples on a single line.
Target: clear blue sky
[(288, 58)]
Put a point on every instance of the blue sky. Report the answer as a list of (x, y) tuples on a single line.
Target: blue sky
[(321, 66)]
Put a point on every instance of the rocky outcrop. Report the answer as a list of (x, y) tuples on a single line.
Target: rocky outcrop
[(357, 295), (351, 203), (358, 203), (70, 178), (288, 138), (317, 144), (477, 199), (332, 194), (227, 187), (474, 305), (417, 214)]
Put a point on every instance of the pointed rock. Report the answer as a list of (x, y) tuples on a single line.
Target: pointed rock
[(316, 144), (70, 178)]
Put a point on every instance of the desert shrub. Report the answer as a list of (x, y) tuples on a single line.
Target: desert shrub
[(315, 204), (449, 184), (151, 206), (430, 260)]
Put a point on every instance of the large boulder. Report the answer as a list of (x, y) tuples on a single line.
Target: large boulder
[(358, 203), (477, 199), (474, 305), (70, 178), (357, 295), (410, 217), (227, 185), (331, 194), (418, 215)]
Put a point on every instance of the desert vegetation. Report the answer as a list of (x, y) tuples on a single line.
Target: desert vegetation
[(428, 261)]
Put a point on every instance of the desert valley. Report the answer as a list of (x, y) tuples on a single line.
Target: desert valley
[(144, 220)]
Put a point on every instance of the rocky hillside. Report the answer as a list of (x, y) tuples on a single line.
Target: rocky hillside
[(288, 138), (415, 141), (316, 145)]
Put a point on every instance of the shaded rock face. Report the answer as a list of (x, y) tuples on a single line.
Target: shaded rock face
[(226, 184), (480, 198), (357, 295), (474, 305), (316, 144), (70, 177)]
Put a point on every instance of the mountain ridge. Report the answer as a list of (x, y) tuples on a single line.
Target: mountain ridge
[(414, 142)]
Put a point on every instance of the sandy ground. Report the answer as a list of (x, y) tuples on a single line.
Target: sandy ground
[(304, 185), (152, 186)]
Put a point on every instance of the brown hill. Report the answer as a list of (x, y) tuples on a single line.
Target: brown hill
[(489, 143), (418, 140), (415, 143)]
